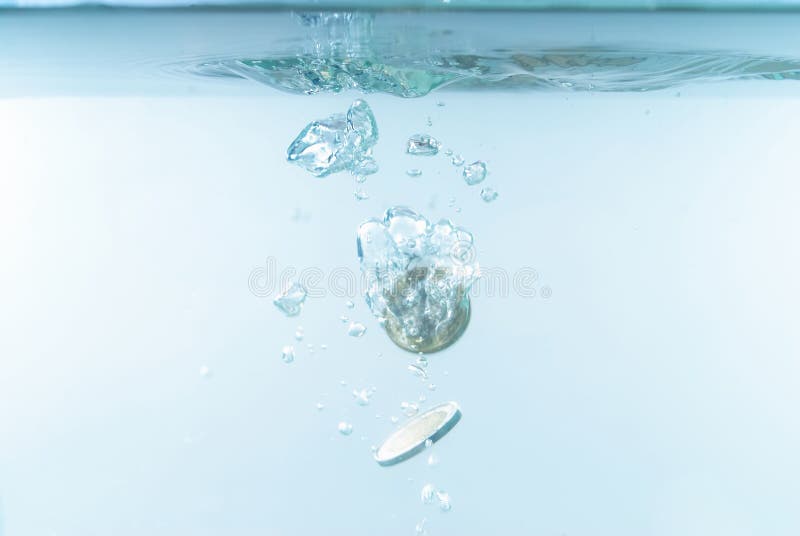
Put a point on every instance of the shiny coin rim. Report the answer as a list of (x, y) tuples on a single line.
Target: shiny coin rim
[(453, 415)]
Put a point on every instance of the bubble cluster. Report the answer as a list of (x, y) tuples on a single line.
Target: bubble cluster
[(339, 142), (418, 277)]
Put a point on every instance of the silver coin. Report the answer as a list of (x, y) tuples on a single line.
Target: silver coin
[(410, 439)]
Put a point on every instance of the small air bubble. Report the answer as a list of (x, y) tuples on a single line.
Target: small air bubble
[(474, 173), (409, 409), (418, 371), (287, 354), (356, 329), (290, 301), (444, 500), (488, 194), (345, 428), (428, 493), (422, 145), (363, 396)]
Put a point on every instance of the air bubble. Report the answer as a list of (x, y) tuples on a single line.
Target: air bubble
[(444, 500), (418, 371), (345, 428), (409, 409), (287, 354), (474, 173), (337, 143), (422, 145), (488, 194), (363, 396), (290, 301), (427, 493), (356, 329)]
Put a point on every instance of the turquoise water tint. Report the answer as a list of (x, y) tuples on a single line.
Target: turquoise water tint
[(226, 233)]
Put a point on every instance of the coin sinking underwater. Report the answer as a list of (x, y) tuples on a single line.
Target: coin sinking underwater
[(410, 439)]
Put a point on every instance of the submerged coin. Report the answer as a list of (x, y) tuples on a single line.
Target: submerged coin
[(410, 439)]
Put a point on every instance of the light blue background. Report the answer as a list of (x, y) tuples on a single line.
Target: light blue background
[(653, 393)]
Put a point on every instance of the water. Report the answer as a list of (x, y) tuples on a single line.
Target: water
[(630, 363)]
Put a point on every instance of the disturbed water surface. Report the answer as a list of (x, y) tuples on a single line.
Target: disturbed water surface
[(630, 362)]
